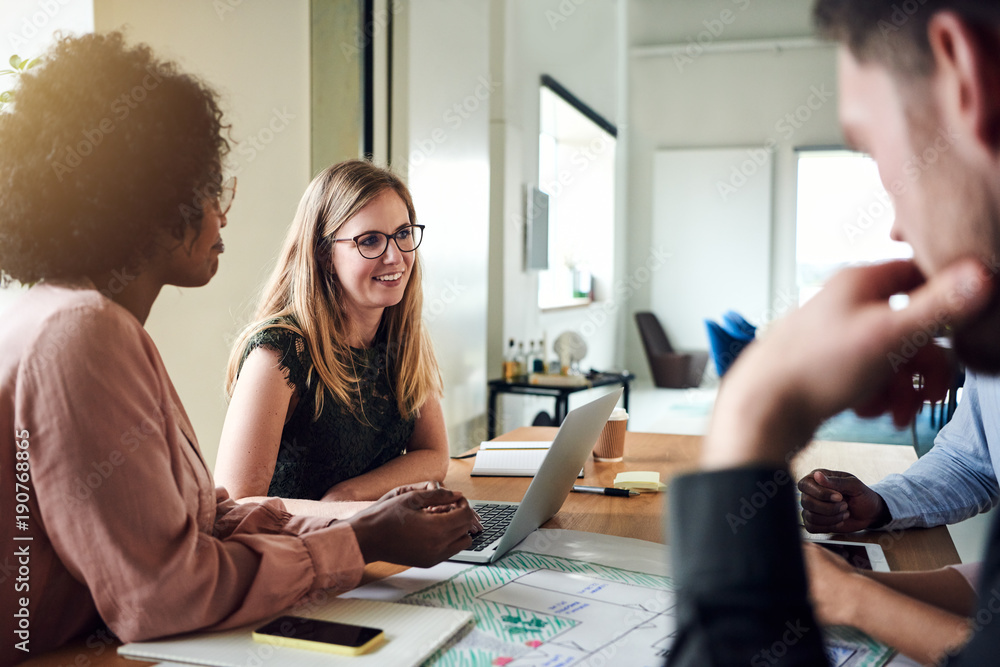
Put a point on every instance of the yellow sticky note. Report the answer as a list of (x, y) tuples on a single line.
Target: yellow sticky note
[(643, 481)]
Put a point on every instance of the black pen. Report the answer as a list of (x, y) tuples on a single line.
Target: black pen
[(605, 491)]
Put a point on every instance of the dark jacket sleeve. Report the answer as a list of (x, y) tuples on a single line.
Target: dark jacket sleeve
[(742, 593), (737, 560)]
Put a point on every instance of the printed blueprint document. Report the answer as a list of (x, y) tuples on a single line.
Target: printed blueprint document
[(569, 598)]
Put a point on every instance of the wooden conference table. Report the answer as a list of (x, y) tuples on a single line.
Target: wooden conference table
[(638, 517)]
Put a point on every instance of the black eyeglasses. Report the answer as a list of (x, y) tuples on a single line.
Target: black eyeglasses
[(372, 245), (224, 195)]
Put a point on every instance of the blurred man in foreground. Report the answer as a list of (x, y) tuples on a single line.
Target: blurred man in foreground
[(920, 84)]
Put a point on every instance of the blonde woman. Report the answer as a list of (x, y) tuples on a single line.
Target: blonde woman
[(334, 388)]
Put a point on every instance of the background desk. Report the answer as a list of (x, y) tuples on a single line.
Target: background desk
[(638, 517), (641, 517), (560, 393)]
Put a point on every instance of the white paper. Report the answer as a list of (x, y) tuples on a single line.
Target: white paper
[(412, 634), (528, 444)]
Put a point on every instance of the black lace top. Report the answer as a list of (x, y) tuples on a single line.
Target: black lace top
[(315, 455)]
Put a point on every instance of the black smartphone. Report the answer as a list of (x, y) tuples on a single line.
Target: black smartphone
[(316, 635)]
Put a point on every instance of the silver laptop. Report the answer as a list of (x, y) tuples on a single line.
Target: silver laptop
[(506, 524)]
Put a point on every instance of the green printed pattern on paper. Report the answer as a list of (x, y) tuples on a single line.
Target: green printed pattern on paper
[(503, 633), (511, 628), (868, 652)]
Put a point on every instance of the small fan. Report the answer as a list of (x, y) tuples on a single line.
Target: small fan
[(570, 345)]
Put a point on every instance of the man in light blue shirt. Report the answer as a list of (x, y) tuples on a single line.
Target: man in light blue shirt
[(956, 480)]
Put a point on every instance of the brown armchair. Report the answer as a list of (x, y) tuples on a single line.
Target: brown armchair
[(677, 370)]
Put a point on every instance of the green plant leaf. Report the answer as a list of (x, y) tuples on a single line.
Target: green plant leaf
[(33, 63), (5, 72), (15, 61), (6, 97)]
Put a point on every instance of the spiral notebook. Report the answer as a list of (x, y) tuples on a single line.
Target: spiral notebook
[(412, 633)]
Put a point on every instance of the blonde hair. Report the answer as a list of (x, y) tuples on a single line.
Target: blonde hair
[(305, 298)]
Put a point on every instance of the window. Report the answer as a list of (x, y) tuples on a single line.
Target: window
[(576, 169), (843, 217)]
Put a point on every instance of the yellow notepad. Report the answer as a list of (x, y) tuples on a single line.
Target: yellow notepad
[(641, 481)]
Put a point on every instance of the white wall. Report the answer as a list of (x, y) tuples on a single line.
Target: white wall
[(722, 100), (577, 43), (448, 97), (256, 54), (716, 246)]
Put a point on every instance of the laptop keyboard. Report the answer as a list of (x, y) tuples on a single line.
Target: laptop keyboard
[(495, 519)]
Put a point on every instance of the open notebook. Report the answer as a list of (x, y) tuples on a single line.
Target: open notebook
[(510, 459), (412, 634)]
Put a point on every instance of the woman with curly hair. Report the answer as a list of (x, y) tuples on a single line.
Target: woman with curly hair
[(336, 378), (111, 187)]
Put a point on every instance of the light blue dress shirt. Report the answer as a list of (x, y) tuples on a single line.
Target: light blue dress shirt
[(957, 479)]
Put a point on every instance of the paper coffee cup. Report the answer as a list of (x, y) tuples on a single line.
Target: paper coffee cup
[(610, 445)]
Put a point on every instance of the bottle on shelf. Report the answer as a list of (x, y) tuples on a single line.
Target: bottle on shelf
[(538, 359), (509, 362), (529, 359), (522, 360), (545, 352)]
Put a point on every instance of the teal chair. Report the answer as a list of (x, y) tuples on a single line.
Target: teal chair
[(736, 325), (725, 346)]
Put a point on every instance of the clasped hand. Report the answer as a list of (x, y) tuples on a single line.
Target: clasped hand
[(417, 524)]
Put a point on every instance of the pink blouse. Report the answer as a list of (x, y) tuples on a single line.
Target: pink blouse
[(109, 507)]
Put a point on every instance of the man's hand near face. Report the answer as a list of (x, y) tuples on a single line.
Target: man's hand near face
[(845, 349)]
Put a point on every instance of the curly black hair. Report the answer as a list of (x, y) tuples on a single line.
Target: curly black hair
[(106, 148)]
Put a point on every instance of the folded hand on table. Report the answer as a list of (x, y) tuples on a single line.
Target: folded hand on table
[(434, 509), (398, 528), (839, 502)]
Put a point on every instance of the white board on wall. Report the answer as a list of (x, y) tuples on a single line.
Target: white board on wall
[(712, 216)]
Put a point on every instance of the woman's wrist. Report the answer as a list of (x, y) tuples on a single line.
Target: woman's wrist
[(341, 492), (855, 600)]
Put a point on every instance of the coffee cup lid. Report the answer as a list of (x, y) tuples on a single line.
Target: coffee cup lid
[(618, 414)]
